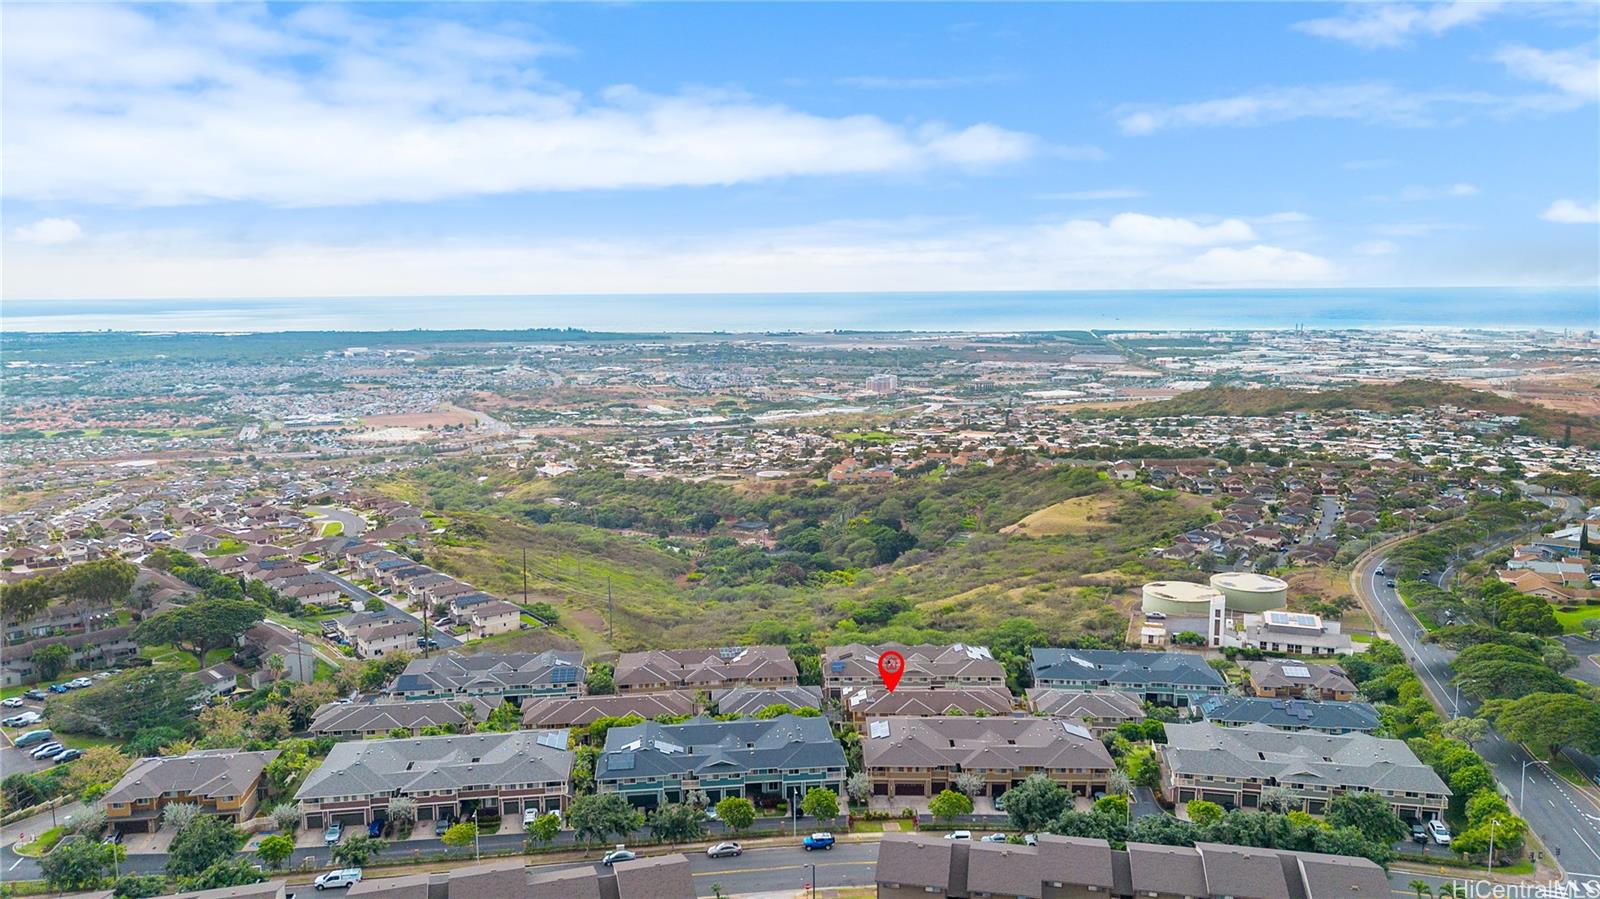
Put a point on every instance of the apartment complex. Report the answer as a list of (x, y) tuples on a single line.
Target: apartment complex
[(1292, 714), (846, 669), (380, 718), (1099, 711), (704, 669), (1232, 765), (447, 777), (872, 703), (581, 711), (919, 757), (654, 764), (1289, 679)]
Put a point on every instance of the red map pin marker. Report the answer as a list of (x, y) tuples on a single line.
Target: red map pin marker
[(890, 666)]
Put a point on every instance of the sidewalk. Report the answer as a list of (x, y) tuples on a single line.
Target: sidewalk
[(12, 833)]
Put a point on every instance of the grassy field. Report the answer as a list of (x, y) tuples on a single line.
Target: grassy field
[(1572, 620), (165, 654), (1079, 515), (333, 529)]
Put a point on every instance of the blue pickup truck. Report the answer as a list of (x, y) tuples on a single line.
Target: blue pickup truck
[(818, 841)]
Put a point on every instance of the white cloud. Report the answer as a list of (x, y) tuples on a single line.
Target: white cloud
[(1374, 25), (1257, 265), (1571, 212), (1575, 71), (1414, 193), (1129, 250), (1376, 248), (181, 105), (49, 231), (891, 83), (1110, 193)]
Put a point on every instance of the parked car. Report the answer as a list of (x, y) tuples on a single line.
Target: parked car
[(1439, 832), (23, 719), (32, 737), (113, 838), (1419, 834), (333, 833), (1030, 839), (618, 855), (374, 829), (1000, 803), (428, 642), (344, 877), (993, 838), (12, 702), (46, 750), (59, 688), (959, 835), (67, 755), (35, 695), (102, 675), (441, 825), (722, 850), (819, 840), (79, 683)]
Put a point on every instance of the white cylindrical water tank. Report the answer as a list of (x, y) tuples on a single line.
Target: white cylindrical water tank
[(1250, 592), (1179, 599)]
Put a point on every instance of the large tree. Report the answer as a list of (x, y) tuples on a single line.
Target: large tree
[(599, 816), (202, 842), (124, 705), (949, 804), (1368, 813), (201, 626), (678, 823), (1548, 721), (49, 661), (737, 812), (25, 599), (80, 864), (1036, 803), (101, 582)]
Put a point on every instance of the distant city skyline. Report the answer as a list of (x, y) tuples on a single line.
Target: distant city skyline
[(392, 150)]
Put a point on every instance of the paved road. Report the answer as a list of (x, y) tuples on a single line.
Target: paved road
[(374, 602), (1585, 649), (1564, 819), (354, 525), (1330, 517)]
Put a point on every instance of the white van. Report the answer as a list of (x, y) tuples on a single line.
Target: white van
[(343, 877)]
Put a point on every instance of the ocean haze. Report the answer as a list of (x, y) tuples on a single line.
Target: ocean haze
[(1498, 308)]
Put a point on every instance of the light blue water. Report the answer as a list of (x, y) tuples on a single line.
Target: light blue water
[(1499, 308)]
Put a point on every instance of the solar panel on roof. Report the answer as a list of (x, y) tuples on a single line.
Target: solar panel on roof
[(836, 667), (877, 730), (1296, 671), (620, 761), (1076, 730), (551, 739)]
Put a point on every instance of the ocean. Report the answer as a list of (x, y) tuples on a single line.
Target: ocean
[(1484, 308)]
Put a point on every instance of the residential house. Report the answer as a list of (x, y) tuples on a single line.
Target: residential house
[(749, 700), (1299, 633), (870, 704), (766, 760), (380, 717), (704, 669), (916, 758), (1232, 765), (493, 617), (223, 782), (446, 776), (93, 649), (220, 679), (265, 639)]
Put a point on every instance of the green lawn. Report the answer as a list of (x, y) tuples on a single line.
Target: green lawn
[(1566, 769), (1572, 620), (227, 546), (164, 653), (44, 842), (333, 529)]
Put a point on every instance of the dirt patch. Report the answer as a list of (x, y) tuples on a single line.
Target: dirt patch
[(422, 420), (1078, 515)]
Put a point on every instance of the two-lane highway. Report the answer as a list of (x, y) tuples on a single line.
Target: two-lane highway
[(1564, 819)]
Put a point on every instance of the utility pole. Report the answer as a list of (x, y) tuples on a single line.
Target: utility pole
[(611, 610), (524, 575)]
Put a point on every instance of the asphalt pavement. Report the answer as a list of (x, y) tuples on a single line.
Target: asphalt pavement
[(1564, 819)]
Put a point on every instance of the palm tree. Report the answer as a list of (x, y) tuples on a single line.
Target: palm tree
[(469, 711), (276, 666), (1421, 886), (1277, 799), (1119, 783)]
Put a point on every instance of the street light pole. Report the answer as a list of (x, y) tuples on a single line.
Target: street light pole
[(1521, 790), (1489, 866), (811, 883), (477, 849)]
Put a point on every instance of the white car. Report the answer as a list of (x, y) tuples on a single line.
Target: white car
[(23, 720), (343, 877), (1439, 832), (13, 702), (47, 750), (959, 835), (80, 682), (993, 838)]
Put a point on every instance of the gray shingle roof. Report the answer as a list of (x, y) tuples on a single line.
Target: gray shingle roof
[(210, 772), (1124, 670), (489, 672), (653, 750), (1291, 714), (369, 767), (749, 700), (1298, 757)]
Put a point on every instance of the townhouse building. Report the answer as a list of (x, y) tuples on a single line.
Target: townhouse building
[(447, 776), (1232, 765), (1292, 714), (223, 782), (776, 759), (869, 704), (1166, 678), (581, 711), (1290, 679), (705, 669), (1099, 711), (492, 676), (916, 758), (846, 669), (749, 700), (382, 717)]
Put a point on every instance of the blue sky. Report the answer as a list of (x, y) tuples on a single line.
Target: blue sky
[(240, 150)]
